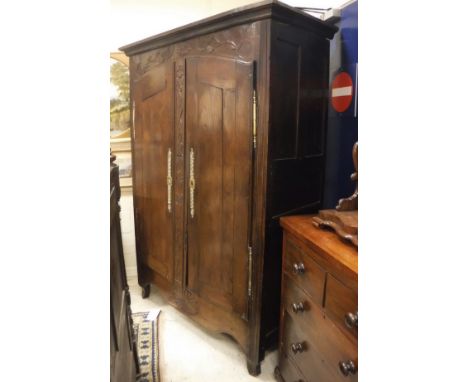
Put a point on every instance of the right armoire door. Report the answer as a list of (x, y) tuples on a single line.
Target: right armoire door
[(220, 154)]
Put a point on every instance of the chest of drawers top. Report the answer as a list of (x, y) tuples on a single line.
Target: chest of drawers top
[(324, 247)]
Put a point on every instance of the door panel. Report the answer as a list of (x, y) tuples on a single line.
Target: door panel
[(219, 131), (153, 138)]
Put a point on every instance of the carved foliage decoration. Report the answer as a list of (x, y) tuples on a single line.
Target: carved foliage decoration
[(234, 42), (237, 42), (146, 61), (179, 125)]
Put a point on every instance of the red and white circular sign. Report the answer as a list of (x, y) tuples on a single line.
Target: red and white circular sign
[(342, 92)]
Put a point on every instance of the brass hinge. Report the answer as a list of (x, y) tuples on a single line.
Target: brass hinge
[(250, 272), (169, 180), (254, 118), (133, 120)]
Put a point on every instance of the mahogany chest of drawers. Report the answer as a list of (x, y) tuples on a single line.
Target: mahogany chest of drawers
[(319, 305)]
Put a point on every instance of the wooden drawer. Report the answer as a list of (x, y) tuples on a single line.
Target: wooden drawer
[(308, 360), (341, 306), (297, 303), (289, 372), (320, 336), (304, 271), (314, 336)]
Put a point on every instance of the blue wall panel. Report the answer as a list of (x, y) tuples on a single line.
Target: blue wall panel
[(342, 127)]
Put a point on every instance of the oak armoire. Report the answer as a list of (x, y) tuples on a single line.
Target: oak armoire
[(229, 121)]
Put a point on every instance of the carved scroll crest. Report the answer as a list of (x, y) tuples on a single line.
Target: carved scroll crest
[(343, 220), (351, 203)]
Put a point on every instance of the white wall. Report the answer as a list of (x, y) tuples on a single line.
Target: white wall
[(133, 20), (128, 232)]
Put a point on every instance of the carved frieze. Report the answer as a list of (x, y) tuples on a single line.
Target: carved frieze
[(237, 42), (144, 62)]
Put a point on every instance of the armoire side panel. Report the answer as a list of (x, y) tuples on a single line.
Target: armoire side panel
[(299, 124), (219, 162), (154, 157), (298, 69), (286, 59)]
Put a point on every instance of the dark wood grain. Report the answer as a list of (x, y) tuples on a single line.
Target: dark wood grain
[(295, 160), (153, 138), (219, 132), (179, 177), (198, 82)]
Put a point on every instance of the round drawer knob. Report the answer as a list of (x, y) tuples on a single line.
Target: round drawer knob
[(298, 347), (347, 368), (351, 320), (298, 268), (299, 307)]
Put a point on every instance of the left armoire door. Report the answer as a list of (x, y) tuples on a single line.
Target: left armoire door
[(153, 179)]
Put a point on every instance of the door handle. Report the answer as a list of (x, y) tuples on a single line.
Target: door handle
[(192, 183), (169, 180)]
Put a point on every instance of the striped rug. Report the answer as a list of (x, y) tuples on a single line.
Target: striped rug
[(145, 325)]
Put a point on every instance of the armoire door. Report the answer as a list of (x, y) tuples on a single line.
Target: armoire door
[(219, 173), (153, 169)]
